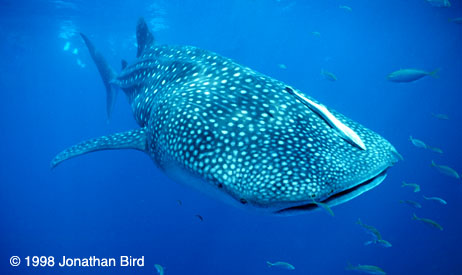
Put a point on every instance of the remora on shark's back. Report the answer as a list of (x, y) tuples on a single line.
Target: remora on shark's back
[(238, 134)]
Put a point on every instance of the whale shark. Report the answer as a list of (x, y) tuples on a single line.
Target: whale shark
[(237, 134)]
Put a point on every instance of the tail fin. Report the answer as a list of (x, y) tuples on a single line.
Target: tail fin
[(269, 264), (433, 163), (359, 222), (435, 73), (414, 217), (106, 72)]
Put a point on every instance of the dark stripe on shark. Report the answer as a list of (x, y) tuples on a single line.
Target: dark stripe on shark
[(134, 139)]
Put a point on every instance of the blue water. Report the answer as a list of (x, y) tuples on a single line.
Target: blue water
[(115, 203)]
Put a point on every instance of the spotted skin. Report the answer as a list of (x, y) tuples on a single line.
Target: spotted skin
[(227, 128)]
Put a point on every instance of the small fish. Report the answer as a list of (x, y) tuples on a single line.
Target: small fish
[(347, 8), (199, 217), (435, 149), (413, 185), (317, 34), (440, 200), (67, 46), (282, 265), (457, 20), (428, 221), (368, 269), (418, 143), (440, 3), (325, 207), (411, 203), (371, 230), (159, 268), (179, 202), (282, 66), (328, 75), (384, 243), (380, 242), (440, 116), (410, 75), (80, 63), (446, 170)]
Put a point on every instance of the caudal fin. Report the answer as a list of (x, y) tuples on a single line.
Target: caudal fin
[(106, 72), (269, 264), (414, 217)]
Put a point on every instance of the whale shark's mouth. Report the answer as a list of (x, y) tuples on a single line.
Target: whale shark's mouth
[(339, 197)]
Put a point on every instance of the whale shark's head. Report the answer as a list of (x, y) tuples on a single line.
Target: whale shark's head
[(334, 171), (292, 169)]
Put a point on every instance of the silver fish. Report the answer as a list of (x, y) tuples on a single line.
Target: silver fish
[(457, 20), (418, 143), (439, 3), (380, 242), (347, 8), (413, 185), (432, 223), (440, 200), (159, 268), (411, 203), (434, 149), (446, 170), (282, 265), (410, 75), (370, 229), (328, 75), (368, 269), (440, 116), (377, 237)]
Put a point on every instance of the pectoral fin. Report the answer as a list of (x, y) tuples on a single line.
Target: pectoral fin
[(134, 139)]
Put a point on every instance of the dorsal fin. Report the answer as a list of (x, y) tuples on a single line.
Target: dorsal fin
[(124, 63), (144, 36)]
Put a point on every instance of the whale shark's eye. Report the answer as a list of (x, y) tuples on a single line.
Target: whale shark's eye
[(220, 185), (243, 201)]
